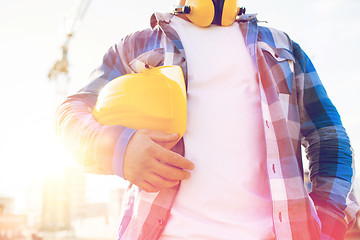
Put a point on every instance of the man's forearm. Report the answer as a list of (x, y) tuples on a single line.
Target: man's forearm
[(97, 148)]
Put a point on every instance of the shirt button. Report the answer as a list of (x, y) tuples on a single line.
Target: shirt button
[(160, 221), (280, 217), (267, 124), (273, 168)]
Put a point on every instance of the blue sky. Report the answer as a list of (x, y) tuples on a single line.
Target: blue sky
[(31, 33)]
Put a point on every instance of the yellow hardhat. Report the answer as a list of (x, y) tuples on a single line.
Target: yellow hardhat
[(154, 99)]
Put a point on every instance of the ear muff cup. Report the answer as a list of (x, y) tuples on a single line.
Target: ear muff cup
[(229, 12), (204, 12)]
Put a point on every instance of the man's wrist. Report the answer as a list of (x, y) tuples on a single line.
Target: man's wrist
[(119, 151)]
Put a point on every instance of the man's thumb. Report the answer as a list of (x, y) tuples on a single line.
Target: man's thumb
[(164, 137)]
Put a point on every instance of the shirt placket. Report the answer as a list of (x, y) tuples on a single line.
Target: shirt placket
[(277, 186), (276, 180)]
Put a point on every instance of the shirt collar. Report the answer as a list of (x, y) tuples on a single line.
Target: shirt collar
[(166, 18), (157, 17)]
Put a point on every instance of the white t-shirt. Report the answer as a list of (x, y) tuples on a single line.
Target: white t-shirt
[(228, 195)]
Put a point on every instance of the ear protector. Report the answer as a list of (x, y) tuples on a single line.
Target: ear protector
[(204, 12)]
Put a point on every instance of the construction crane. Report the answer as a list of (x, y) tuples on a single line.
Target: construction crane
[(57, 205), (61, 66)]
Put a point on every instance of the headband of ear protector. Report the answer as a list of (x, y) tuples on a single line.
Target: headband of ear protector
[(204, 12)]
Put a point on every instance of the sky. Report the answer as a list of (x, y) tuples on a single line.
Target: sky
[(32, 32)]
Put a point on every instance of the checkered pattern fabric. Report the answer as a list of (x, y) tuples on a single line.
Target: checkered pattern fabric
[(296, 111)]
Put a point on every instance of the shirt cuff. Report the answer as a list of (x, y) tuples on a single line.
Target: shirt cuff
[(332, 226), (119, 151)]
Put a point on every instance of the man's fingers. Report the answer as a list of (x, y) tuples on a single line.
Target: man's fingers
[(160, 182), (169, 172), (147, 187), (149, 164), (172, 158), (155, 183)]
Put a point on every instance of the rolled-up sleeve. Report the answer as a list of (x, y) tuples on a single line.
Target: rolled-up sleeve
[(328, 150)]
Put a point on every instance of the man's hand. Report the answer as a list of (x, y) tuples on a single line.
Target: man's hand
[(150, 164)]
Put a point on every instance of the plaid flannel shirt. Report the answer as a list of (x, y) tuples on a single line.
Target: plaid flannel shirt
[(296, 111)]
